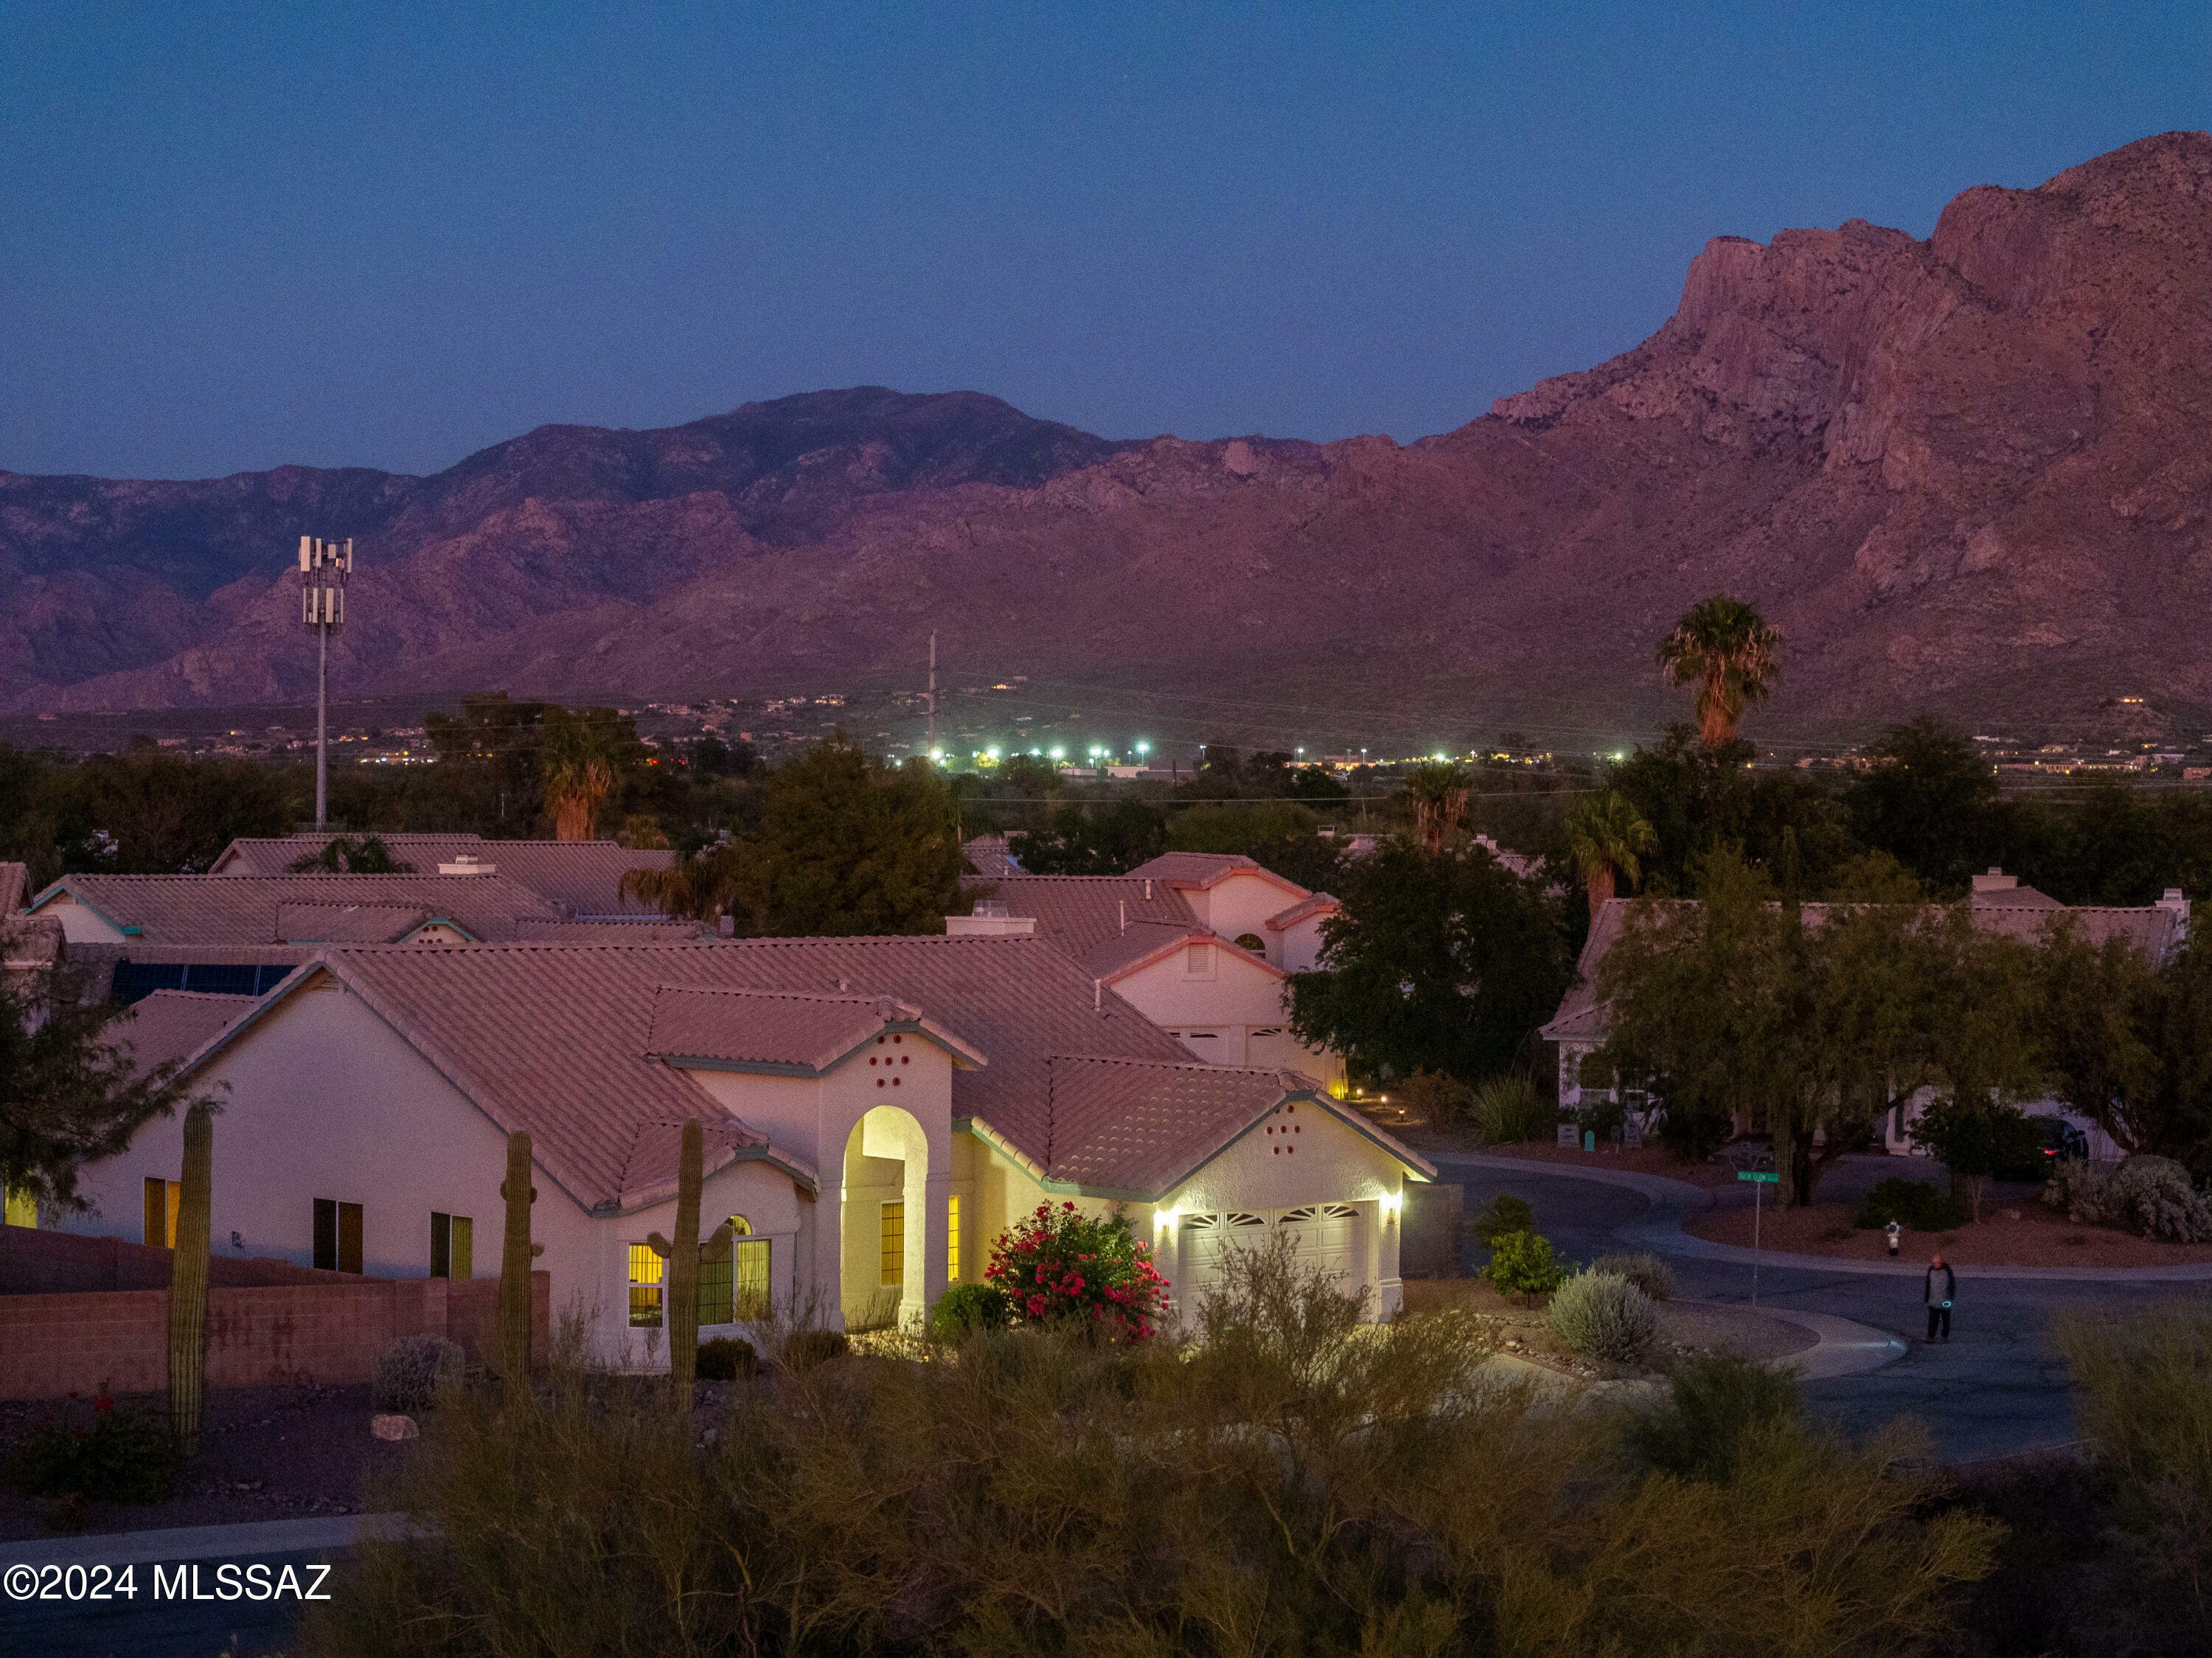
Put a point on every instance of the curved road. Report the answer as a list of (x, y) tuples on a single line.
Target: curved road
[(1996, 1388)]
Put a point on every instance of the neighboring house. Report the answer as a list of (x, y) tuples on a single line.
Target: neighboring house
[(581, 878), (878, 1110), (987, 854), (1202, 944), (1998, 904)]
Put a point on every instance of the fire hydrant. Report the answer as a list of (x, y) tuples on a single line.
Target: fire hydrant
[(1892, 1229)]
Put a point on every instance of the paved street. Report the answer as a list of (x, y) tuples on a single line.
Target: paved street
[(1997, 1388)]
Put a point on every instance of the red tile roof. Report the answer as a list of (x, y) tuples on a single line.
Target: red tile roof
[(171, 1024), (1209, 869), (245, 909), (585, 875), (347, 924), (1079, 913), (800, 1031)]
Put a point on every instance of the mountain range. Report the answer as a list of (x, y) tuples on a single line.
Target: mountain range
[(1970, 474)]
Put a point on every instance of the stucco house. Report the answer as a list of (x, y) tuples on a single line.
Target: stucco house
[(878, 1110), (1203, 944), (582, 879), (1998, 903)]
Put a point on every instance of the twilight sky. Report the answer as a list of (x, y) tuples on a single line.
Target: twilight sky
[(390, 235)]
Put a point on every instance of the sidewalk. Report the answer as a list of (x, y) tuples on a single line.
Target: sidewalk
[(1674, 1201), (259, 1538)]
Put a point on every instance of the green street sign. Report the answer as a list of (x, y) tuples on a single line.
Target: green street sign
[(1754, 1174)]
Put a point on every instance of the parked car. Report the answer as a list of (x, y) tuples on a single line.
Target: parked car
[(2060, 1138)]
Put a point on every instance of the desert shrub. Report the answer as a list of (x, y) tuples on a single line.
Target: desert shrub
[(1431, 1096), (1645, 1271), (1508, 1108), (98, 1450), (1605, 1316), (1060, 1266), (2146, 1382), (1709, 1406), (1506, 1213), (728, 1358), (1916, 1205), (1522, 1263), (1295, 1481), (805, 1348), (968, 1308), (2151, 1196), (408, 1372)]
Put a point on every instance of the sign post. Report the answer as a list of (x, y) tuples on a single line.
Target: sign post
[(1760, 1179)]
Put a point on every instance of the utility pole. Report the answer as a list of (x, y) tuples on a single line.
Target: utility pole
[(933, 696), (324, 568)]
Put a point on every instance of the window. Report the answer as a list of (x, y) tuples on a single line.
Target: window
[(894, 1244), (453, 1246), (953, 1240), (733, 1277), (22, 1208), (162, 1198), (338, 1235), (645, 1269)]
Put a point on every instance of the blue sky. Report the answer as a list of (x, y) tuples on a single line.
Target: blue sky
[(239, 235)]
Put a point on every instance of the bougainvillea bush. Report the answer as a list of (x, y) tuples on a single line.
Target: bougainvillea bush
[(1060, 1267)]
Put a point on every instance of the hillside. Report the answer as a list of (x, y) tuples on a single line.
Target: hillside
[(1968, 474)]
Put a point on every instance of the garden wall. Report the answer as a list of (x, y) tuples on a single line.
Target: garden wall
[(325, 1329), (36, 1262)]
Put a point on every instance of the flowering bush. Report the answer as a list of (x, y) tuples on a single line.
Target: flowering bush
[(1056, 1266), (107, 1454)]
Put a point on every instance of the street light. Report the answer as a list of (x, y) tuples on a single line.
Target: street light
[(324, 568)]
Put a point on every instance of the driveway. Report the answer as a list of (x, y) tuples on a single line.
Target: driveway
[(1997, 1388)]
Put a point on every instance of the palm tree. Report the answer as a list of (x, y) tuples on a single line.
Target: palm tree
[(576, 789), (1606, 836), (1725, 649), (1438, 792), (704, 887)]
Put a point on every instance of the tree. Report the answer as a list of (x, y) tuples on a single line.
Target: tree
[(1930, 800), (1725, 649), (850, 845), (581, 769), (1974, 1137), (1440, 961), (1279, 835), (346, 855), (1699, 799), (1436, 791), (1316, 782), (1606, 836), (70, 1093), (2130, 1044), (1093, 840)]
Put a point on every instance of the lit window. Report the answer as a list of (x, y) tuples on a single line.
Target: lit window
[(162, 1199), (734, 1277), (453, 1246), (22, 1208), (894, 1244), (645, 1269), (953, 1240)]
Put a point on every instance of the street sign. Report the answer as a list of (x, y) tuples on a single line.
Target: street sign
[(1763, 1176)]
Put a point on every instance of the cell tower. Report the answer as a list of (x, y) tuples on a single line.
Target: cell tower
[(324, 568)]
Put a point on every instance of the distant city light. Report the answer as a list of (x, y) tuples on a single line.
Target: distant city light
[(990, 753), (1144, 749), (1059, 753)]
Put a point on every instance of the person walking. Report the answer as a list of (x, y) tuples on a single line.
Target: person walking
[(1938, 1302)]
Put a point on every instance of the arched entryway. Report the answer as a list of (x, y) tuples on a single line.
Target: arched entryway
[(886, 1221)]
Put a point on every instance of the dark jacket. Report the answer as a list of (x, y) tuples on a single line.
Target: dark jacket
[(1928, 1295)]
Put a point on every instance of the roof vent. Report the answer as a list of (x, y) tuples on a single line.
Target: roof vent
[(991, 906), (468, 865)]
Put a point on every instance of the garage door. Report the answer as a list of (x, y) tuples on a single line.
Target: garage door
[(1326, 1236), (1205, 1239)]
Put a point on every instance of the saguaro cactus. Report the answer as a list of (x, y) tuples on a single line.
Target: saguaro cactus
[(515, 1255), (188, 1280), (681, 1296)]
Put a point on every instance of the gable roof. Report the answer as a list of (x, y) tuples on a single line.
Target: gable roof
[(561, 1040), (1313, 903), (250, 908), (173, 1024), (1150, 941), (583, 876), (987, 854), (1079, 913), (796, 1032), (1204, 870)]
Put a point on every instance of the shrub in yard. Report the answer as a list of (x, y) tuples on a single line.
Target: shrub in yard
[(2146, 1382), (1695, 1435), (726, 1358), (805, 1348), (2147, 1195), (1522, 1263), (1059, 1267), (1507, 1109), (1646, 1271), (408, 1372), (94, 1449), (968, 1308), (1916, 1205), (1506, 1213), (1604, 1316)]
